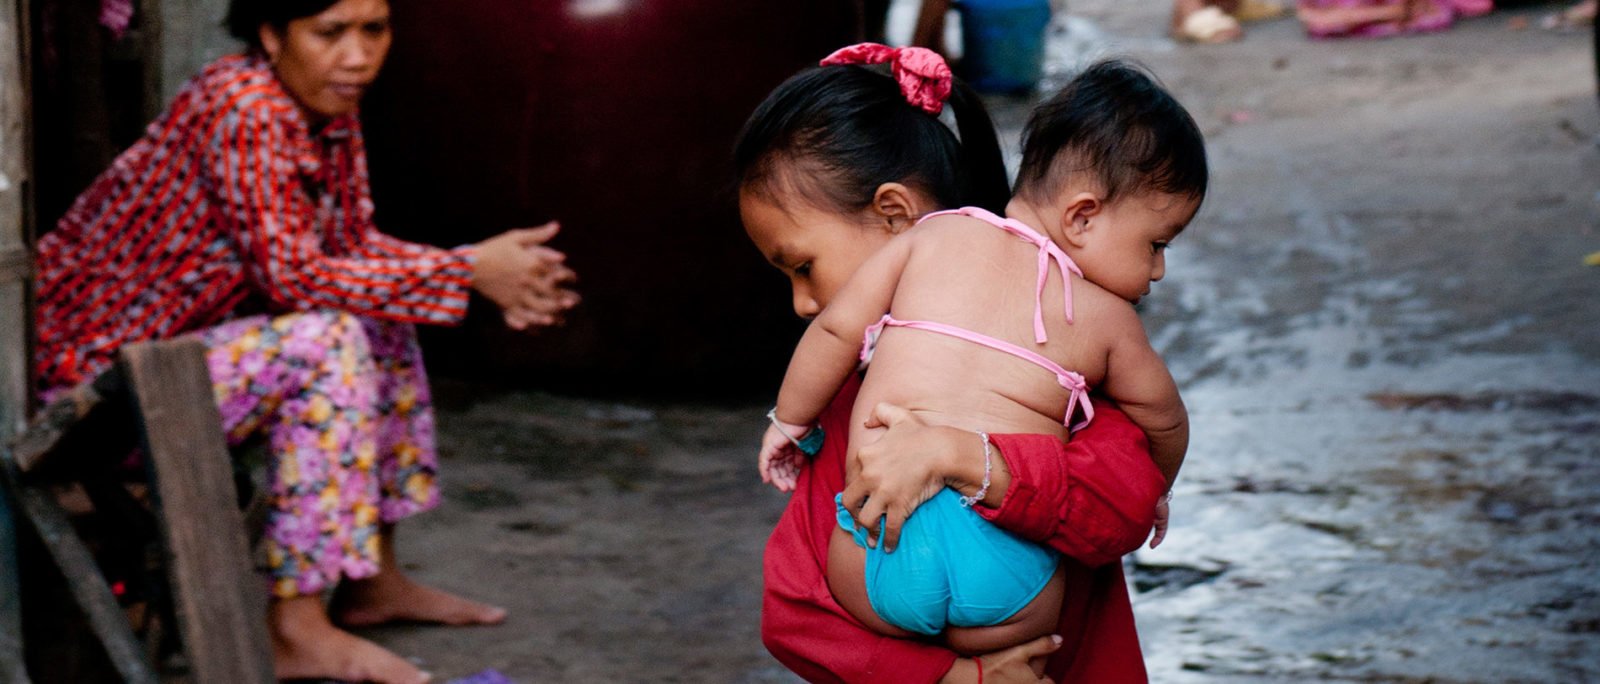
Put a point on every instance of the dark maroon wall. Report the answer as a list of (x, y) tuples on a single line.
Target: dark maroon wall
[(617, 118)]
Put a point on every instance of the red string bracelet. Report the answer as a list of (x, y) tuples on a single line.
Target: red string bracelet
[(979, 661)]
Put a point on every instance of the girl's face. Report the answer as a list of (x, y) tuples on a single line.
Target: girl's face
[(819, 250), (1123, 248), (328, 60)]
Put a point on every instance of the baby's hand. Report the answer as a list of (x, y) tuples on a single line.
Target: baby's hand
[(780, 461), (1163, 513)]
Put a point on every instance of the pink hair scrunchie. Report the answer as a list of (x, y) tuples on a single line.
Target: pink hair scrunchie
[(923, 76)]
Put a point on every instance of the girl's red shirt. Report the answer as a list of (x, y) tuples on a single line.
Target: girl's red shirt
[(1092, 499)]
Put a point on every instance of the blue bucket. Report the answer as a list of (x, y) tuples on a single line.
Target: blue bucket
[(1003, 43)]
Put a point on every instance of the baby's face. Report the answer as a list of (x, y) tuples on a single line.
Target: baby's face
[(819, 250), (1124, 250)]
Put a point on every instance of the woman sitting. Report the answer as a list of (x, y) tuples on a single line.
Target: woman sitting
[(244, 217)]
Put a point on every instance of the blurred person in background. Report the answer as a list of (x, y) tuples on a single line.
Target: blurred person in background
[(1380, 18)]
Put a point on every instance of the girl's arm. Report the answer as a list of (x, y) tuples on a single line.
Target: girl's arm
[(1092, 499), (266, 211), (830, 349), (1138, 380)]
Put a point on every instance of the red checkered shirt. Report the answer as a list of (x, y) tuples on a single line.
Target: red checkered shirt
[(229, 201)]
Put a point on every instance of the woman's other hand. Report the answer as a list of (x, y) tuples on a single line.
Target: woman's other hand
[(530, 282), (904, 468), (1021, 663), (1163, 514)]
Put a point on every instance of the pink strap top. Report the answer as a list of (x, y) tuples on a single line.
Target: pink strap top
[(1048, 251)]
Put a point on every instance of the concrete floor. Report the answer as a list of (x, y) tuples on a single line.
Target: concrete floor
[(1381, 324)]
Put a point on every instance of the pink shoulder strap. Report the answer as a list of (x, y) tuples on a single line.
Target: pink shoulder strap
[(1076, 386), (1048, 250)]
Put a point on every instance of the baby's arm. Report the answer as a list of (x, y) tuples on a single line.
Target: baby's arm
[(1138, 380), (831, 347)]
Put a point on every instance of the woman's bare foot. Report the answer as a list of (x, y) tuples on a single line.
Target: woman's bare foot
[(305, 645), (1583, 11), (390, 596), (1332, 20)]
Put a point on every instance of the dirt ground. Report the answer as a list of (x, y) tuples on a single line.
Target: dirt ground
[(1382, 326)]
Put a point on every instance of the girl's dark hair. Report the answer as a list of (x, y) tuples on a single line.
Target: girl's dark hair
[(1114, 121), (836, 133), (245, 17)]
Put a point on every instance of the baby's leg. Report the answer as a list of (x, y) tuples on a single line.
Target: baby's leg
[(847, 561), (847, 579), (1040, 617)]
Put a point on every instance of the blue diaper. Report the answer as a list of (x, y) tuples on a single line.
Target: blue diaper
[(952, 567)]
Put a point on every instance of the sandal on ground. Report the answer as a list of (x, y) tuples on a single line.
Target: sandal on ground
[(1208, 26), (1577, 16)]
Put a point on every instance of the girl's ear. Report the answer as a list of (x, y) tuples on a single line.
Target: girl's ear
[(271, 41), (898, 206), (1077, 217)]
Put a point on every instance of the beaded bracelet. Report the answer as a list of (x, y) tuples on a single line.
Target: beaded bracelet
[(809, 444), (988, 465)]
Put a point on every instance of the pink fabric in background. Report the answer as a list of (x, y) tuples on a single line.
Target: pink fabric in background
[(116, 16), (1432, 15)]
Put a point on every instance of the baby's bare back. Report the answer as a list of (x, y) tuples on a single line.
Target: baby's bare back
[(965, 273)]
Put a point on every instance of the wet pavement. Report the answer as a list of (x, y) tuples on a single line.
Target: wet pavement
[(1389, 343), (1382, 327)]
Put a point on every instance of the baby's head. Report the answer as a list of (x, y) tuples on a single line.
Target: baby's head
[(837, 160), (1116, 168)]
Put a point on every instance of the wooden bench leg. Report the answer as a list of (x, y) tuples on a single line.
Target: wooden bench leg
[(12, 669), (105, 616), (219, 597)]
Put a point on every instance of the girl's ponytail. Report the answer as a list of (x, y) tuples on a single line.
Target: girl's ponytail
[(983, 168), (836, 133)]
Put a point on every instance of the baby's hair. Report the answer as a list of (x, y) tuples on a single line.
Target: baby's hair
[(834, 134), (1117, 123)]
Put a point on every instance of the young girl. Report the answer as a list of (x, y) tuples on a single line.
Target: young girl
[(832, 165), (1113, 170)]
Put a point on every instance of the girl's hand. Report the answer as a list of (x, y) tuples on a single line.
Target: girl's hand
[(779, 461), (900, 471), (528, 281), (1021, 663), (1163, 514)]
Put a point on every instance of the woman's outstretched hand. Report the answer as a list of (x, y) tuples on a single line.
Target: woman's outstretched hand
[(900, 471), (530, 282)]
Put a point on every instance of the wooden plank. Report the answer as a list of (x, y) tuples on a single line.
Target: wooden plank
[(88, 419), (220, 603), (181, 37), (16, 264), (12, 668), (14, 207), (105, 616)]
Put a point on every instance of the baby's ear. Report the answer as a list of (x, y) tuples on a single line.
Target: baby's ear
[(897, 205), (1077, 216)]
